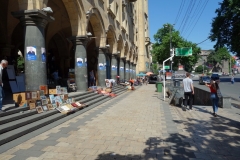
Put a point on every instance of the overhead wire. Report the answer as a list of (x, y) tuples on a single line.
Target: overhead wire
[(179, 11), (196, 12), (198, 18), (189, 13), (184, 18)]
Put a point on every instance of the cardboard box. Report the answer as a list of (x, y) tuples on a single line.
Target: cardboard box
[(19, 97), (52, 91), (23, 104)]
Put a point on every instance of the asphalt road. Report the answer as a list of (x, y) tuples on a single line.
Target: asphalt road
[(233, 90)]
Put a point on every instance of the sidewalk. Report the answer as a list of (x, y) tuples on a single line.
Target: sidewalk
[(138, 125)]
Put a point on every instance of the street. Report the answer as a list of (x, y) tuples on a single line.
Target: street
[(233, 90)]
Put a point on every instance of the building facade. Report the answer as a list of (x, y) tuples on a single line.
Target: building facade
[(110, 37)]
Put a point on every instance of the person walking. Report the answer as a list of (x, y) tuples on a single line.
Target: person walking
[(146, 80), (213, 86), (4, 64), (188, 91), (232, 79)]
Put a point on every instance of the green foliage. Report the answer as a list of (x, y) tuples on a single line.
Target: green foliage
[(226, 27), (20, 63), (154, 68), (161, 49), (219, 55), (199, 69)]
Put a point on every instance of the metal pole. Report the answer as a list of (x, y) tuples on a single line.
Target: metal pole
[(164, 76), (230, 65), (171, 44)]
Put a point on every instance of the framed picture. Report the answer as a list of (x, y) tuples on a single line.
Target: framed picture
[(58, 100), (58, 89), (38, 103), (50, 107), (62, 96), (59, 109), (39, 109), (32, 105), (34, 95), (28, 95), (43, 97), (41, 93), (52, 98), (54, 106), (44, 88), (45, 108), (44, 101), (64, 90)]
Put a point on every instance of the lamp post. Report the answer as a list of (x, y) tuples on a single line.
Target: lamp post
[(170, 30)]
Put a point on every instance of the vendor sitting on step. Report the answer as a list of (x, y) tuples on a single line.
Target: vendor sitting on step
[(110, 82)]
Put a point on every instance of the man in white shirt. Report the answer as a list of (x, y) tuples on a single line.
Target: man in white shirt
[(4, 64), (188, 91)]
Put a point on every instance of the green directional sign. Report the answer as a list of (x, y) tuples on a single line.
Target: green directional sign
[(183, 51), (166, 67)]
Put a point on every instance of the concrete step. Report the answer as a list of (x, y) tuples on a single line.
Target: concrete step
[(13, 134), (16, 116), (26, 120), (15, 124)]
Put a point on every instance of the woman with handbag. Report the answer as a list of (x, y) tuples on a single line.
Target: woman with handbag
[(214, 97)]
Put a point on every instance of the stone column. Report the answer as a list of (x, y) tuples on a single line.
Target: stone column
[(127, 70), (134, 71), (34, 22), (102, 71), (122, 68), (108, 66), (81, 75), (131, 70), (114, 65)]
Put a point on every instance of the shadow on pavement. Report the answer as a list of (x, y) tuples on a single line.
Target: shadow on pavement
[(217, 138)]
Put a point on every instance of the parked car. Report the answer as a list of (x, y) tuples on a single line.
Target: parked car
[(153, 78), (204, 79), (215, 77)]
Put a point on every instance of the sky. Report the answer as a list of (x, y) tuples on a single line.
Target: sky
[(193, 20)]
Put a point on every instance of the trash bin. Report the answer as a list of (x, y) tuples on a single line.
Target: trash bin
[(159, 86), (176, 83)]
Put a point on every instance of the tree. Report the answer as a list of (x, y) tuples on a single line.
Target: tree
[(161, 49), (226, 26), (219, 55)]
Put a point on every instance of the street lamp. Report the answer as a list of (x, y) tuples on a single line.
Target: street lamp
[(170, 30)]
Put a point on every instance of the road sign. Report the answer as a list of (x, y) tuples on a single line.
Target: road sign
[(183, 51), (166, 67)]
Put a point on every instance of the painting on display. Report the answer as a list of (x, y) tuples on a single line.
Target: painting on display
[(43, 51), (80, 62), (31, 53)]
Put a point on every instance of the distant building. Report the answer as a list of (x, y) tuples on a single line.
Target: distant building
[(204, 54)]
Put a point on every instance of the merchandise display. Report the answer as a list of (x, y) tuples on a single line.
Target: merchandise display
[(42, 102)]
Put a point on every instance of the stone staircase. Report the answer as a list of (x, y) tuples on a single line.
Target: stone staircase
[(18, 122)]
